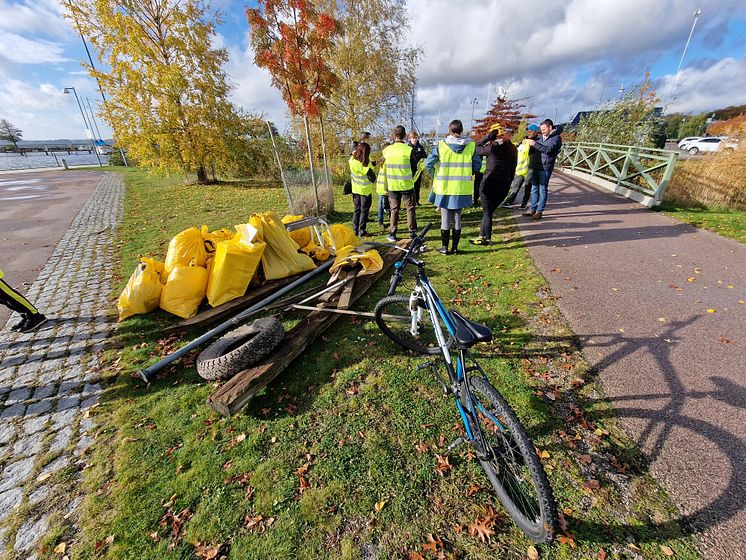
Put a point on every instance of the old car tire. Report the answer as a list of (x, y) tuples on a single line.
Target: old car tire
[(240, 348)]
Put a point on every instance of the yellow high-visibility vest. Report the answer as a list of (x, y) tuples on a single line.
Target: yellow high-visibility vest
[(398, 166), (484, 165), (359, 177), (381, 180), (453, 176), (522, 167)]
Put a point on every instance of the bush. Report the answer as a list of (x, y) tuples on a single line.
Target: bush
[(116, 158)]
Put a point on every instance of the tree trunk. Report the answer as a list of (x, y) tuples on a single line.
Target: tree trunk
[(327, 177), (201, 175), (310, 163)]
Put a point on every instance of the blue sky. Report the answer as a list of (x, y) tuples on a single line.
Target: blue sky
[(557, 55)]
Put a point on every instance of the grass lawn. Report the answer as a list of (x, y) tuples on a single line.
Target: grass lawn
[(337, 458), (726, 222)]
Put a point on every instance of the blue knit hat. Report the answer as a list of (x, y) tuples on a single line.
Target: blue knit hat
[(533, 127)]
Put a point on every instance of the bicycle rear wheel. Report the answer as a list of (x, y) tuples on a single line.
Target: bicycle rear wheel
[(513, 467), (394, 318)]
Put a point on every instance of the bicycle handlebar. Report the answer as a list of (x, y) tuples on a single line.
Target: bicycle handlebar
[(399, 274)]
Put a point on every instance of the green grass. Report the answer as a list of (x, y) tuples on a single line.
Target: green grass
[(726, 222), (359, 420)]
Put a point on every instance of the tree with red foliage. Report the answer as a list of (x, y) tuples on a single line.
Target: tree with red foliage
[(508, 113), (293, 40)]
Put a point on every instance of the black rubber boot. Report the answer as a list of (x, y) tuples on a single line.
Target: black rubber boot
[(456, 239), (444, 236)]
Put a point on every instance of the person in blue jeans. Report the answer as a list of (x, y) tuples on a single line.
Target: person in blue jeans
[(549, 147)]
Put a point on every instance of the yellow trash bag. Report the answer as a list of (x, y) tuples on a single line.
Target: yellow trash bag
[(371, 261), (233, 268), (281, 257), (343, 236), (185, 248), (318, 253), (143, 290), (184, 291), (212, 238), (301, 236)]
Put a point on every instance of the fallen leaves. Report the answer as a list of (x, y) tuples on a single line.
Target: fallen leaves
[(378, 506), (258, 523), (443, 465), (207, 551), (236, 440), (303, 483), (711, 311), (433, 544), (174, 524), (104, 543), (667, 550), (532, 553), (60, 548)]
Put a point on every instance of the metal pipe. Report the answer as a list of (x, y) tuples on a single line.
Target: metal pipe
[(147, 373)]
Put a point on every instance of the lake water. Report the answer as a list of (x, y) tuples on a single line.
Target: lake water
[(39, 159)]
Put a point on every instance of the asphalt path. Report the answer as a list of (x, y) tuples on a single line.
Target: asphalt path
[(660, 308), (36, 208)]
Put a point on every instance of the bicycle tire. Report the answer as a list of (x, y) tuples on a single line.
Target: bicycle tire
[(508, 476), (398, 306)]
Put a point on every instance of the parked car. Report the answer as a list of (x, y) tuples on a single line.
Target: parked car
[(709, 144), (684, 141)]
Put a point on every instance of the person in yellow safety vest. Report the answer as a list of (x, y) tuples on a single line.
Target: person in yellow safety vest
[(401, 166), (362, 178), (478, 181), (31, 319), (420, 155), (523, 170), (452, 163)]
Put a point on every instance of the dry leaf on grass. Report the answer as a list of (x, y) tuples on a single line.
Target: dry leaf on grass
[(566, 539), (532, 553), (378, 506), (667, 550), (433, 544), (60, 548), (443, 465), (207, 551)]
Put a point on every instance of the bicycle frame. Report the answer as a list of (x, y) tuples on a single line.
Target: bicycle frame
[(457, 374)]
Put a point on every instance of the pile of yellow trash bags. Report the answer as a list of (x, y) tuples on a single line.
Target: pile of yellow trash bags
[(220, 265)]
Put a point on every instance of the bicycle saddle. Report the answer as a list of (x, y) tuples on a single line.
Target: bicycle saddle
[(468, 333)]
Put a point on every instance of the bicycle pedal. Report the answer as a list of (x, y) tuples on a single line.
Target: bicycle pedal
[(426, 365), (459, 441)]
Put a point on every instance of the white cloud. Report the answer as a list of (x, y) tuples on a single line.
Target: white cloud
[(704, 89), (42, 17), (253, 90), (18, 49)]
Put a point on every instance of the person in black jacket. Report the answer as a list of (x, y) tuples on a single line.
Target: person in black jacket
[(502, 157), (419, 153), (549, 146)]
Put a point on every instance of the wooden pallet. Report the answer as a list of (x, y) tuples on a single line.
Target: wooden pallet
[(239, 390)]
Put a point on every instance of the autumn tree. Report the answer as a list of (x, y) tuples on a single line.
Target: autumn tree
[(506, 112), (292, 39), (10, 133), (168, 93), (376, 72), (734, 126)]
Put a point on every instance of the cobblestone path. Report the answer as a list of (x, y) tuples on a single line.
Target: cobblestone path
[(49, 379)]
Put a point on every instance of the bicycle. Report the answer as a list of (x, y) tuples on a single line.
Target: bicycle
[(420, 323)]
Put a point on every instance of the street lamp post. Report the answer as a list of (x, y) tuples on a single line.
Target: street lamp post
[(93, 119), (67, 90), (473, 103), (681, 60)]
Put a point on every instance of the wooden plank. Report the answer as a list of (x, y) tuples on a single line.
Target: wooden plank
[(346, 295), (239, 390)]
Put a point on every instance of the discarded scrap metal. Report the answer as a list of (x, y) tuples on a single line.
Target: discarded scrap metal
[(148, 373), (238, 391)]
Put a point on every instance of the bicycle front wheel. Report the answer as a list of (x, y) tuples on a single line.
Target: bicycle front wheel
[(512, 465), (394, 318)]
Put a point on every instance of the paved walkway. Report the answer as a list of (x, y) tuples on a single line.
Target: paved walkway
[(49, 379), (660, 309), (36, 209)]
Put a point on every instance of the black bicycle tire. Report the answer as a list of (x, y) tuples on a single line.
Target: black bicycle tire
[(419, 349), (545, 528), (240, 348)]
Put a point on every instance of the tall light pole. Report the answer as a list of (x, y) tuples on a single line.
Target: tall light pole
[(67, 90), (681, 60), (474, 102), (88, 100)]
